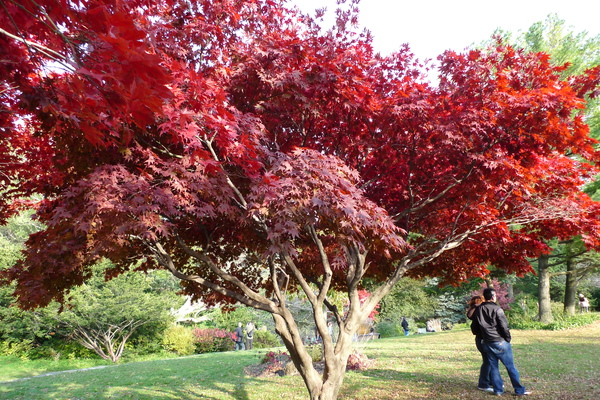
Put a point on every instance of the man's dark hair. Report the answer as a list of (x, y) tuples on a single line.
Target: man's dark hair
[(488, 293)]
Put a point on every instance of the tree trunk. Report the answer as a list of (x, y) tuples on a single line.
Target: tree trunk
[(545, 311), (327, 385), (511, 290), (489, 281), (571, 288)]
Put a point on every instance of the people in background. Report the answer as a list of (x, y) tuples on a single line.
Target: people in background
[(249, 334), (584, 304), (239, 337), (405, 326)]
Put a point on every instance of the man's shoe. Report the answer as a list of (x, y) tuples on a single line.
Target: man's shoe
[(489, 389), (526, 393)]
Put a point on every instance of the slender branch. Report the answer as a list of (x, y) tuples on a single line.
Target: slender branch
[(357, 260), (240, 196), (277, 282), (42, 49), (299, 277), (249, 298), (328, 273), (411, 210), (576, 272)]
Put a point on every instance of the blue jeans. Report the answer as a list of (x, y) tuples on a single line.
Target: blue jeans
[(485, 376), (502, 351), (406, 332)]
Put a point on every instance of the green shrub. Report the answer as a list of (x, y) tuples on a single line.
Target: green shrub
[(179, 339), (573, 321), (522, 322), (18, 349), (264, 339), (316, 352), (561, 320), (71, 350), (144, 345), (389, 329)]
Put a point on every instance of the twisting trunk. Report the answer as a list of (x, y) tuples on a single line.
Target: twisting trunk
[(327, 385), (108, 341)]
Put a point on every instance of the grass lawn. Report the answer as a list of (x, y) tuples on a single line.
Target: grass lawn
[(557, 365)]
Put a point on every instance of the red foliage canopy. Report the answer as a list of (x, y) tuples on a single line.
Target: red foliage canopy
[(223, 139)]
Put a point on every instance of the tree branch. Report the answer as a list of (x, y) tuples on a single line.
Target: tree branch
[(250, 297)]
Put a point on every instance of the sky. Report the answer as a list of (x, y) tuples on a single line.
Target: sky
[(432, 26)]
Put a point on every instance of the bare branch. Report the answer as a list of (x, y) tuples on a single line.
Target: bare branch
[(249, 298), (327, 272), (54, 55)]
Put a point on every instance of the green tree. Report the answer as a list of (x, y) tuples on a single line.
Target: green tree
[(565, 46), (576, 51), (409, 299), (18, 326), (105, 314)]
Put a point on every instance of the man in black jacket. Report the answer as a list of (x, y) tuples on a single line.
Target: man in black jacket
[(493, 327)]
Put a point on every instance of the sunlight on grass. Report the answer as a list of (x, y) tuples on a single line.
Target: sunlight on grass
[(556, 365)]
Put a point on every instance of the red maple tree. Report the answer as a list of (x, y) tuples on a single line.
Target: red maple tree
[(253, 153)]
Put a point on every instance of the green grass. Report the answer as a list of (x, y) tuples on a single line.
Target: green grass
[(557, 365)]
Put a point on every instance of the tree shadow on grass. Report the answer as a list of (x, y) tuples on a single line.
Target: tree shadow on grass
[(565, 368), (183, 379), (383, 384), (557, 370)]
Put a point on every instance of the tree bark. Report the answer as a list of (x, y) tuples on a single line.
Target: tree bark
[(327, 385), (571, 288), (489, 281), (545, 311)]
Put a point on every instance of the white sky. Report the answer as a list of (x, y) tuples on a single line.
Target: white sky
[(432, 26)]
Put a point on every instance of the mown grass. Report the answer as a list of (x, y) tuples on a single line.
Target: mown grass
[(558, 365)]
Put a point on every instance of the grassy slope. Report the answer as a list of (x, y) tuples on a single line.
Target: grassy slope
[(556, 365)]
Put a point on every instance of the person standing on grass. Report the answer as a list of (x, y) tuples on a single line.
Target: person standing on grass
[(405, 326), (249, 335), (493, 325), (239, 337), (485, 378), (584, 304)]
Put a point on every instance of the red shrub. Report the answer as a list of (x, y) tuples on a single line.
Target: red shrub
[(212, 340)]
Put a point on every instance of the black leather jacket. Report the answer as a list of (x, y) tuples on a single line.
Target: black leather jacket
[(491, 322)]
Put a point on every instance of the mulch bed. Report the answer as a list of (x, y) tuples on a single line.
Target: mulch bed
[(268, 369)]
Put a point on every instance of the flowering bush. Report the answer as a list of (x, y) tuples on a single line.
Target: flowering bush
[(357, 362), (273, 357), (212, 340), (275, 361), (501, 293)]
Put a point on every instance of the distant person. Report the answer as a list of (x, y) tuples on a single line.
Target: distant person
[(485, 377), (249, 334), (493, 326), (405, 326), (584, 304), (239, 337)]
